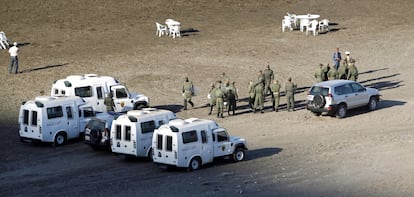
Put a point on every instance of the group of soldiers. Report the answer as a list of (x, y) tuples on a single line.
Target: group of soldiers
[(346, 70), (266, 83), (223, 93)]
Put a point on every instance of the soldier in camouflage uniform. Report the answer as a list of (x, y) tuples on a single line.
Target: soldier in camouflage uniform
[(251, 94), (343, 71), (259, 93), (187, 92), (352, 71), (332, 73), (290, 88), (268, 77), (325, 70), (219, 94), (232, 98), (319, 73), (109, 102), (275, 87)]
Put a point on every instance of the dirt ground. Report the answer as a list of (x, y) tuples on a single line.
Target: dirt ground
[(290, 153)]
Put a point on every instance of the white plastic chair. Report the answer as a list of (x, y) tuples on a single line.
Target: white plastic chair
[(4, 42), (324, 25), (175, 31), (293, 19), (312, 27), (303, 24), (161, 30), (286, 22)]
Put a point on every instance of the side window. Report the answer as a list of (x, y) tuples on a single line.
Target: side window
[(118, 132), (99, 92), (121, 93), (84, 91), (34, 118), (159, 142), (169, 143), (148, 127), (189, 136), (222, 136), (357, 88), (127, 133), (54, 112), (88, 112), (56, 91), (161, 122), (203, 137), (25, 116), (69, 112)]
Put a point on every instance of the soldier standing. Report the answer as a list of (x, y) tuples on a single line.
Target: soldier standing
[(258, 93), (290, 91), (318, 74), (212, 97), (343, 71), (187, 92), (332, 73), (232, 98), (268, 77), (352, 71), (325, 70), (275, 87), (109, 102), (219, 94)]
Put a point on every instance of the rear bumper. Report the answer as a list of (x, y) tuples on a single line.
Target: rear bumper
[(331, 109)]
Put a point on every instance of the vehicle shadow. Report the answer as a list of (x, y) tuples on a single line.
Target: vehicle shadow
[(382, 104), (173, 108)]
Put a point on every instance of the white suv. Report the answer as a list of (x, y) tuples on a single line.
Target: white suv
[(335, 97)]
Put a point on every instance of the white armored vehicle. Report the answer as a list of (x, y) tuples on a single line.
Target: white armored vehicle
[(192, 142), (51, 119), (94, 89), (131, 133)]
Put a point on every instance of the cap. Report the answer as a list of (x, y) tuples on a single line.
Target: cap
[(15, 43), (347, 52)]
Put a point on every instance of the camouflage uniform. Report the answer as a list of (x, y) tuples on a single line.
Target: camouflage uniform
[(232, 98), (332, 73), (352, 72), (258, 97), (251, 94), (187, 92), (219, 94), (324, 73), (343, 71), (212, 94), (275, 87), (318, 74), (268, 77), (109, 102), (290, 90)]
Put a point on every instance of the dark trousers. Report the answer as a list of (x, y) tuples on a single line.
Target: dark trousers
[(14, 63)]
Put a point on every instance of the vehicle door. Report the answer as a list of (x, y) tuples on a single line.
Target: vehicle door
[(221, 142), (361, 96), (145, 136), (100, 97), (207, 149), (345, 94), (71, 119), (121, 99), (30, 120)]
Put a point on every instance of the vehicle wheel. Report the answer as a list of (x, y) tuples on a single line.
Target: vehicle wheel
[(319, 101), (150, 155), (341, 113), (95, 136), (317, 113), (372, 104), (139, 106), (195, 164), (238, 155), (60, 139)]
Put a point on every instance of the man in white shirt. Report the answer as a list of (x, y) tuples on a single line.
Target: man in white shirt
[(13, 58)]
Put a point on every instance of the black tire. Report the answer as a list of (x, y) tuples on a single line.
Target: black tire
[(95, 136), (60, 139), (149, 157), (372, 104), (195, 164), (319, 101), (139, 105), (238, 155), (341, 113)]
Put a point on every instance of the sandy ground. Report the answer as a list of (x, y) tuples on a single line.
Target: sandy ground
[(290, 154)]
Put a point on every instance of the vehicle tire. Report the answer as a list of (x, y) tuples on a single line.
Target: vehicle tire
[(341, 113), (195, 164), (150, 155), (95, 136), (60, 139), (319, 101), (238, 155), (372, 104), (317, 113), (139, 105)]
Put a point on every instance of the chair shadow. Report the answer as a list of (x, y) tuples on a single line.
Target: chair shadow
[(42, 68), (188, 32), (371, 71)]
